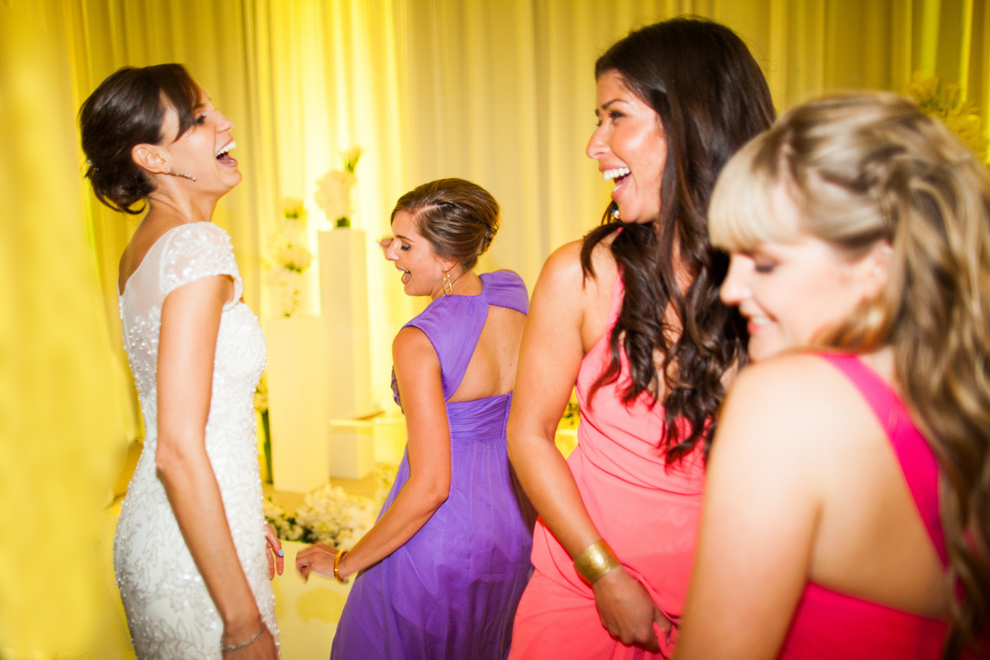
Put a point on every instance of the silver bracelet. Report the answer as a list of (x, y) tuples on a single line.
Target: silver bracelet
[(242, 645)]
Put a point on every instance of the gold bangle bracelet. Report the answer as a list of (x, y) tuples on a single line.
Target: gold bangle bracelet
[(595, 561), (336, 567)]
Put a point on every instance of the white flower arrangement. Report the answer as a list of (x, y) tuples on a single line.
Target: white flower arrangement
[(295, 258), (285, 527), (292, 257), (333, 189), (330, 514)]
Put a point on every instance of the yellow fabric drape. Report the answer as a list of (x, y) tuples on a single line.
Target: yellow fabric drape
[(60, 443), (497, 91)]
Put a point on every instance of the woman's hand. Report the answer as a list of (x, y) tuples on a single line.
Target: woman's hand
[(263, 649), (317, 558), (627, 611), (276, 558)]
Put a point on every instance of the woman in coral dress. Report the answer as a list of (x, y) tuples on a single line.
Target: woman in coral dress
[(631, 316)]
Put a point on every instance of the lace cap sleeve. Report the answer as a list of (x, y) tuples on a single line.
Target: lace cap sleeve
[(196, 251)]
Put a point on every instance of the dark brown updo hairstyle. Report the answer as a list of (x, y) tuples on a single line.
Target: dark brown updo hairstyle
[(711, 98), (457, 217), (127, 109)]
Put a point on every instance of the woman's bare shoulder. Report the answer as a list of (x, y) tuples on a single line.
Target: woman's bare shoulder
[(791, 401), (412, 341), (564, 270), (790, 376)]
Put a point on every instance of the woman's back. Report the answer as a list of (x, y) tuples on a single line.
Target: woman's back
[(872, 541), (492, 369), (897, 560), (839, 527), (476, 337)]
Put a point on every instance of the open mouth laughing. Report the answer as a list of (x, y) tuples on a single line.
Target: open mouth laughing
[(616, 174), (223, 154)]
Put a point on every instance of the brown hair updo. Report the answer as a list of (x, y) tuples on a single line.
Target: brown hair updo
[(457, 217), (127, 109)]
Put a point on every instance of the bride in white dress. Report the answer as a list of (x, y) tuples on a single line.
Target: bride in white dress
[(190, 553)]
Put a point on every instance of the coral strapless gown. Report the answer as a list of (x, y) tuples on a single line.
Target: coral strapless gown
[(646, 511)]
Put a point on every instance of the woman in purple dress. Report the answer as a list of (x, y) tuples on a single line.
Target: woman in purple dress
[(442, 570)]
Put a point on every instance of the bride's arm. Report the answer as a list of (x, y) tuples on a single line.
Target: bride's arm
[(417, 371), (187, 344)]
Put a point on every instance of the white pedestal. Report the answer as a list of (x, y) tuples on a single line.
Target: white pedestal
[(346, 332), (296, 396), (344, 309), (352, 449)]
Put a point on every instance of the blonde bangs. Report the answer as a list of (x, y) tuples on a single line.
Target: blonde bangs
[(742, 214)]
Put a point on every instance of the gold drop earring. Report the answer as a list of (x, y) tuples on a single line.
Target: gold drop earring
[(448, 286)]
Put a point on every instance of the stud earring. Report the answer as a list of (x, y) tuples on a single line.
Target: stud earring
[(184, 176), (615, 213)]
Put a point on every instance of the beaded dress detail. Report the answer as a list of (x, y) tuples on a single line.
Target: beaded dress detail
[(169, 611)]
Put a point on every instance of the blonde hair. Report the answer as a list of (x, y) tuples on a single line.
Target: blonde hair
[(872, 167)]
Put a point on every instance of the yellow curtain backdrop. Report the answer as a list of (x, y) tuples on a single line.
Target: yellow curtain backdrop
[(60, 441), (500, 92), (497, 91)]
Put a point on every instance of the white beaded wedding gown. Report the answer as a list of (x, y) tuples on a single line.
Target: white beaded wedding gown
[(169, 611)]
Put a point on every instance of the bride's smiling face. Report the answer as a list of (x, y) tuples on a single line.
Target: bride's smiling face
[(203, 150), (422, 270)]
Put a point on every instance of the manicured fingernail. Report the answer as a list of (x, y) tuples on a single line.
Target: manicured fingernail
[(280, 553)]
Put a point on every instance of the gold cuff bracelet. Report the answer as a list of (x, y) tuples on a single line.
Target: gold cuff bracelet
[(336, 567), (595, 561)]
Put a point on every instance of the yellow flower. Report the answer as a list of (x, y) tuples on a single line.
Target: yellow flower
[(944, 103), (293, 209)]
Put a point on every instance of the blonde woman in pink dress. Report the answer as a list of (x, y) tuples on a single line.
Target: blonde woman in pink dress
[(631, 316), (847, 513)]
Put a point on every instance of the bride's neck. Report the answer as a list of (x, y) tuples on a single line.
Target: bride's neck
[(181, 208)]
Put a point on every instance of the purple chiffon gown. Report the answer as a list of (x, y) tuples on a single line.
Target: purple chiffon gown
[(451, 591)]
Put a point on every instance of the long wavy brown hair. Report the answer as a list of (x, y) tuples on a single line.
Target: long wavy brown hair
[(710, 98), (872, 167)]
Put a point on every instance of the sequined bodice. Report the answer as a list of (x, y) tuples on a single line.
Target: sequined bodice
[(153, 564), (184, 254)]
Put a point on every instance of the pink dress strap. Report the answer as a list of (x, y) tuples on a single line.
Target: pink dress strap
[(828, 624), (913, 452)]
